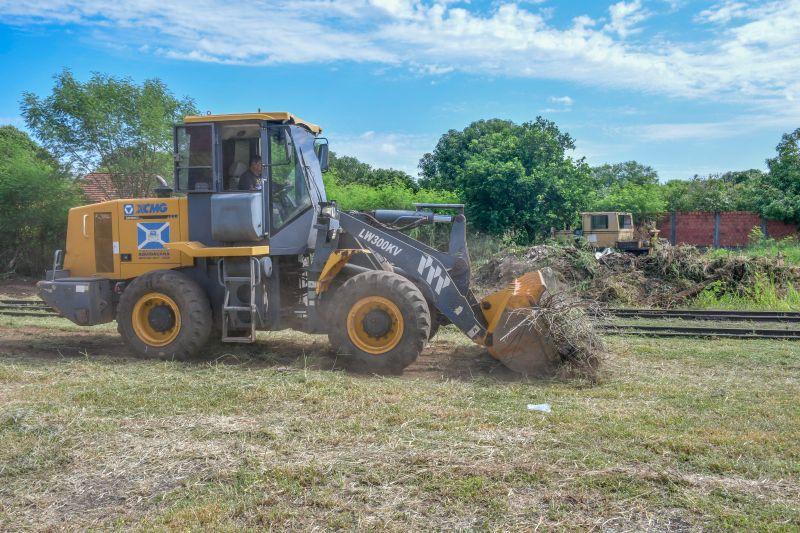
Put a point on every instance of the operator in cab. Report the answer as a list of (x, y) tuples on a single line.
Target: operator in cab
[(250, 180)]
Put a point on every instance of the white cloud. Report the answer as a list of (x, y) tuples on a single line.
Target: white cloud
[(563, 104), (723, 12), (738, 126), (625, 16), (751, 55), (256, 33), (566, 101)]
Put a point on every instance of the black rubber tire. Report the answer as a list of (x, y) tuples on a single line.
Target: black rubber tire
[(435, 322), (192, 302), (413, 308)]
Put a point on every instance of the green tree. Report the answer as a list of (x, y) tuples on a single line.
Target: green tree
[(710, 194), (731, 191), (349, 170), (35, 195), (443, 168), (779, 198), (676, 194), (109, 124), (743, 176), (643, 201), (620, 174), (513, 177)]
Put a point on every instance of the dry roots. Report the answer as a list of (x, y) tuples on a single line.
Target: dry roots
[(566, 323)]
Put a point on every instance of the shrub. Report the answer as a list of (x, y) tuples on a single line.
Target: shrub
[(396, 195), (35, 196)]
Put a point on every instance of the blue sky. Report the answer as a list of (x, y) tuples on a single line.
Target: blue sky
[(688, 87)]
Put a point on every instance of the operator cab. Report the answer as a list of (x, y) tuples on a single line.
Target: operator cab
[(213, 152)]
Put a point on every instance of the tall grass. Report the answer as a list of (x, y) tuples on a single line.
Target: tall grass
[(763, 295), (788, 248)]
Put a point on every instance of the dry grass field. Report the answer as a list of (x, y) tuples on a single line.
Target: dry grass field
[(678, 435)]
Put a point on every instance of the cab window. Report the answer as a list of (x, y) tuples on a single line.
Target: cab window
[(599, 221), (241, 142), (194, 164), (289, 195), (625, 222)]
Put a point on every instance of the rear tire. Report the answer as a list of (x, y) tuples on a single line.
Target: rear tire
[(165, 314), (380, 322)]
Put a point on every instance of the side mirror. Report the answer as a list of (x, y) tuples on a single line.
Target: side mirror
[(322, 154)]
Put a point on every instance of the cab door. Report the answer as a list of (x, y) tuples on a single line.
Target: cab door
[(196, 156), (291, 212)]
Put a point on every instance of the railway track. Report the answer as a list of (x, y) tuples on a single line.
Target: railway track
[(671, 330), (707, 314), (707, 332), (26, 308)]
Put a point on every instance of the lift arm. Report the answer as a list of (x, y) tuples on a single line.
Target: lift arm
[(419, 263)]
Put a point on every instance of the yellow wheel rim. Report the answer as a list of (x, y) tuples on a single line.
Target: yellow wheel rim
[(143, 325), (363, 331)]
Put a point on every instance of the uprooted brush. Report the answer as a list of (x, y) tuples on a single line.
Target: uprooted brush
[(547, 333)]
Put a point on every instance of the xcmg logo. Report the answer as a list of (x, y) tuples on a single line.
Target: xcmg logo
[(145, 209), (151, 209)]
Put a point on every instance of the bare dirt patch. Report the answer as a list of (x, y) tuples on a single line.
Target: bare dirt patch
[(18, 287), (444, 358)]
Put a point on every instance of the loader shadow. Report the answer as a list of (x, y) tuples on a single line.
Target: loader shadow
[(440, 360)]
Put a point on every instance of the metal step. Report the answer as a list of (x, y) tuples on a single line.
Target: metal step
[(253, 280), (241, 340)]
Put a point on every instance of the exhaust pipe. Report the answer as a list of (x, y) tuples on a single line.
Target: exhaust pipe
[(163, 190)]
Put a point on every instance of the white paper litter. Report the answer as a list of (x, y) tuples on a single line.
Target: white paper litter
[(543, 407)]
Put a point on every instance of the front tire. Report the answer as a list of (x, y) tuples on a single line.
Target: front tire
[(165, 314), (380, 322), (435, 323)]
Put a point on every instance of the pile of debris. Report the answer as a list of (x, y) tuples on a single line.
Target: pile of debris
[(575, 350), (670, 276)]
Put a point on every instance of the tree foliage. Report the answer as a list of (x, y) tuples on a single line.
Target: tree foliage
[(109, 124), (732, 191), (513, 178), (779, 197), (349, 170), (620, 174), (389, 195), (629, 186), (35, 195), (644, 201)]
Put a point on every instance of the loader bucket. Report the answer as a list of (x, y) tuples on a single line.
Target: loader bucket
[(514, 338)]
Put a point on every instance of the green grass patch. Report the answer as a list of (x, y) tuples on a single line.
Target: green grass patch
[(764, 294), (788, 248), (679, 433)]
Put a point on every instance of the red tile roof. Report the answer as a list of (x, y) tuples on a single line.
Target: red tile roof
[(98, 187)]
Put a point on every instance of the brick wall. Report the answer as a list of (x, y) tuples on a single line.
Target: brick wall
[(735, 227), (778, 230), (697, 228)]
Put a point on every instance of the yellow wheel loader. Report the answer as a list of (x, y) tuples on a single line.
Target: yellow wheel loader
[(224, 254)]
